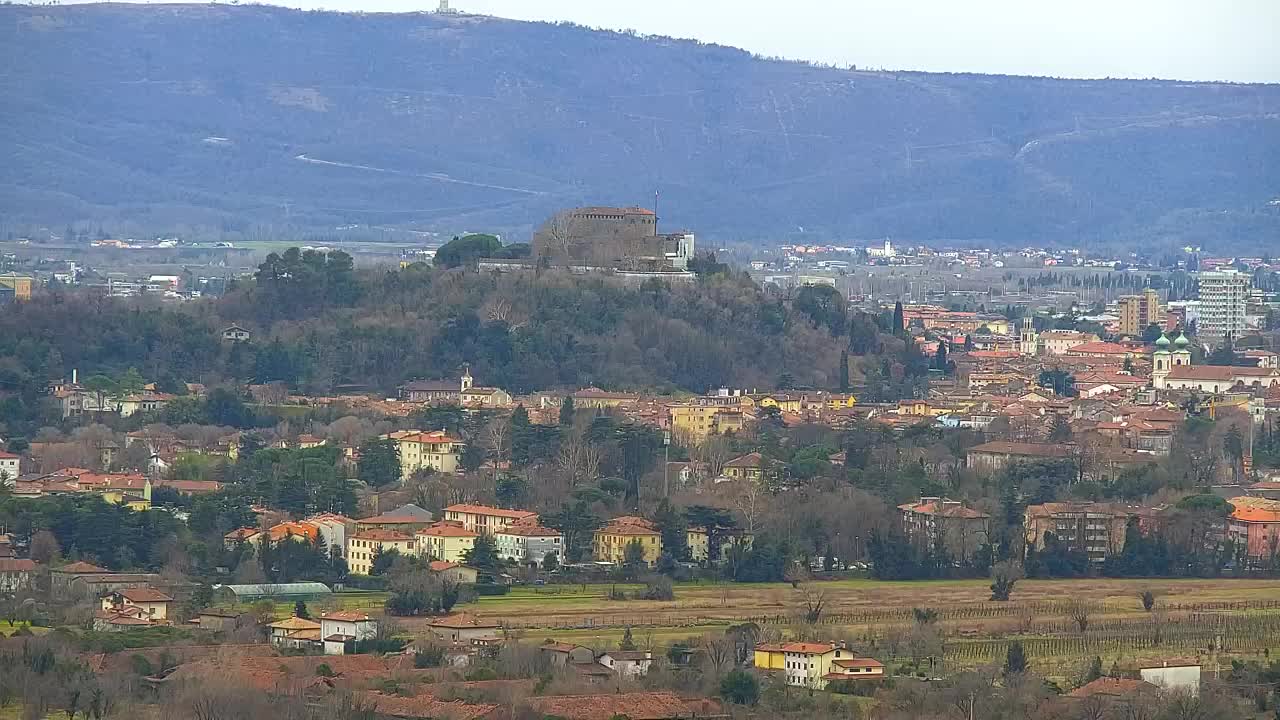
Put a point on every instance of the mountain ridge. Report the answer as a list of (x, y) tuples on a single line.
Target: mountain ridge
[(236, 118)]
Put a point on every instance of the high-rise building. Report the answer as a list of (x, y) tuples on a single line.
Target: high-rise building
[(1223, 296), (1139, 311)]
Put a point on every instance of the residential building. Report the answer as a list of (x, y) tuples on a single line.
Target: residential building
[(153, 603), (454, 572), (1097, 529), (751, 466), (932, 520), (15, 287), (15, 573), (529, 542), (1223, 297), (339, 628), (611, 541), (486, 519), (408, 518), (445, 541), (627, 664), (235, 333), (811, 665), (128, 489), (1139, 311), (247, 536), (1057, 342), (1175, 678), (694, 422), (699, 543), (596, 399), (854, 670), (366, 544), (437, 450), (333, 530), (463, 627), (1254, 524), (10, 468), (295, 633)]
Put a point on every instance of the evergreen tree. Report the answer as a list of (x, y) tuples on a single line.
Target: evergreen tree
[(1015, 660), (566, 411), (628, 642), (379, 463), (483, 554), (521, 436), (899, 319), (940, 357), (300, 610), (844, 371), (674, 529)]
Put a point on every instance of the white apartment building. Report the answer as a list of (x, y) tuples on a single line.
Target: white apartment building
[(1223, 297)]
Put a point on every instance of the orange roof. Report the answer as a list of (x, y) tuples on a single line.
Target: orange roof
[(291, 529), (242, 533), (858, 663), (384, 535), (447, 530), (81, 568), (494, 511), (346, 616), (1114, 687), (462, 620), (149, 595), (807, 648)]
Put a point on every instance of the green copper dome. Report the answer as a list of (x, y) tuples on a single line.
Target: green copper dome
[(1182, 341), (1163, 341)]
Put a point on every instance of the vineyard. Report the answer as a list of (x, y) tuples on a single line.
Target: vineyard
[(1194, 620)]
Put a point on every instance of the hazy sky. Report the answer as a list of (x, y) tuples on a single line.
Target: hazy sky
[(1183, 39)]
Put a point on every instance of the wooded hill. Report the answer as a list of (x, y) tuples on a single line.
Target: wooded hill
[(247, 121)]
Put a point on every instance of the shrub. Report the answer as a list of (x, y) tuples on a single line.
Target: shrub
[(491, 589), (431, 656)]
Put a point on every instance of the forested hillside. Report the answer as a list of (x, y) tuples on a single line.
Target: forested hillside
[(319, 324), (255, 121)]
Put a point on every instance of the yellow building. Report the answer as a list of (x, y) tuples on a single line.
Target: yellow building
[(695, 423), (611, 541), (700, 546), (486, 519), (842, 401), (364, 545), (19, 284), (813, 665), (445, 541), (151, 603), (784, 403), (1138, 311), (419, 450)]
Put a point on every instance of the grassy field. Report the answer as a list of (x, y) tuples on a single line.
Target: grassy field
[(1240, 617)]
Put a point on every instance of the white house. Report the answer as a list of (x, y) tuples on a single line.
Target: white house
[(10, 467), (339, 628), (627, 663), (235, 333), (529, 541)]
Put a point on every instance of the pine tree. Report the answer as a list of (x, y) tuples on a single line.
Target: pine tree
[(300, 610), (1015, 660), (628, 642), (566, 412), (844, 371), (899, 321)]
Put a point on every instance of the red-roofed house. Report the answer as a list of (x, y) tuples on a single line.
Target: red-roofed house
[(962, 530), (809, 665), (436, 450), (153, 604), (486, 519)]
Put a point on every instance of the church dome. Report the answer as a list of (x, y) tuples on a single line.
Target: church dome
[(1182, 341), (1163, 342)]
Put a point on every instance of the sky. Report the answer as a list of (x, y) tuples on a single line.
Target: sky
[(1234, 40)]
